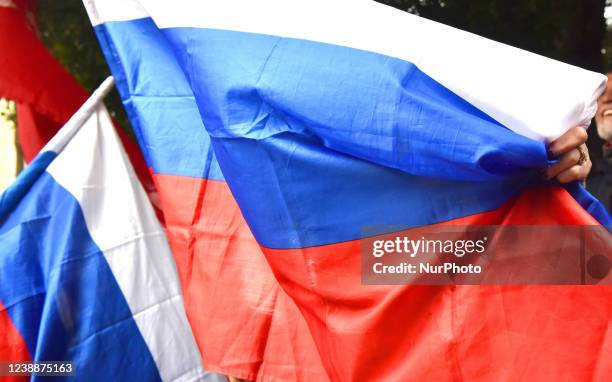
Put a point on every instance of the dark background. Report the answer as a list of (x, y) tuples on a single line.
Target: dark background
[(573, 31)]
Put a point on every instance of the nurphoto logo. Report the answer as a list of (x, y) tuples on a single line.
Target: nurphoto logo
[(512, 255)]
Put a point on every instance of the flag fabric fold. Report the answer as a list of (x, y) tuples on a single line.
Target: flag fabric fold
[(324, 121), (86, 274)]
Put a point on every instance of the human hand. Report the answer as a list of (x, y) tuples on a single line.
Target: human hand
[(574, 163)]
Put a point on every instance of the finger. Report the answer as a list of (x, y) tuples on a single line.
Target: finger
[(567, 161), (573, 138), (575, 173)]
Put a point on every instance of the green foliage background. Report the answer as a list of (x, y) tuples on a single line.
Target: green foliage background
[(66, 30)]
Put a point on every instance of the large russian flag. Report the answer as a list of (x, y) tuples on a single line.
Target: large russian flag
[(86, 274), (244, 323), (328, 117)]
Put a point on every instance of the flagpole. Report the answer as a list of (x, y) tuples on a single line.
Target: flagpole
[(75, 122)]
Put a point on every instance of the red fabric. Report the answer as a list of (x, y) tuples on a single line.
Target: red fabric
[(453, 333), (245, 324), (12, 346), (34, 130)]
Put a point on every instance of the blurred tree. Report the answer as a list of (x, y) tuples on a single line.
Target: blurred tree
[(607, 46), (66, 30), (571, 31)]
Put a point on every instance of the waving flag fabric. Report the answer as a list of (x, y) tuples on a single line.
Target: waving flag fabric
[(245, 324), (327, 117), (86, 274)]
